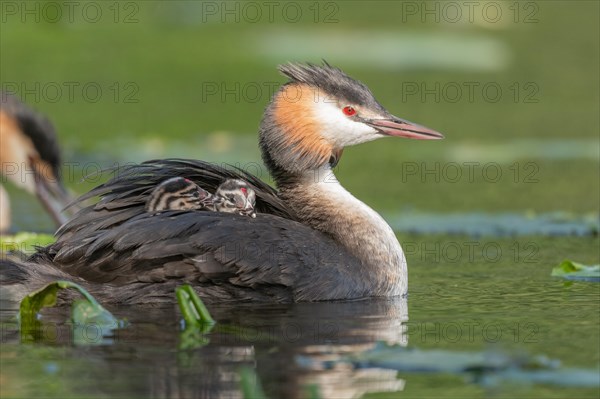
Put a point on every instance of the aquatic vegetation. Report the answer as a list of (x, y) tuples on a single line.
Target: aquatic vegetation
[(485, 368), (84, 311), (576, 271), (193, 309), (507, 224), (197, 321)]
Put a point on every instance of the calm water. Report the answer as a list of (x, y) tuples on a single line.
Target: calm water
[(482, 317), (471, 312), (486, 299)]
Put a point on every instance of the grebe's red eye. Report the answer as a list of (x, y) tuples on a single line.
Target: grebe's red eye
[(349, 111), (244, 190)]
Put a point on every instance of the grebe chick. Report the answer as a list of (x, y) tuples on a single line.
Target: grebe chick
[(178, 193), (235, 195)]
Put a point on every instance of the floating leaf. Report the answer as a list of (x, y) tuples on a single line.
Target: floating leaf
[(91, 322), (576, 271), (418, 360), (25, 242), (84, 312), (496, 224), (486, 368)]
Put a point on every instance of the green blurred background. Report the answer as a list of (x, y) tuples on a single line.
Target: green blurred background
[(191, 79)]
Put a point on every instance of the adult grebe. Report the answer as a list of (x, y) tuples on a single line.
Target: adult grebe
[(30, 158), (311, 241)]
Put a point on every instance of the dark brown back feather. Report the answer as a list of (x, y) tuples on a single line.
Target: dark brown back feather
[(226, 257)]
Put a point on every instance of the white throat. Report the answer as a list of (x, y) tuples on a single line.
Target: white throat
[(321, 201)]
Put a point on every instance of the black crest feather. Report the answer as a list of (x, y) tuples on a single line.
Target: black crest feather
[(332, 81)]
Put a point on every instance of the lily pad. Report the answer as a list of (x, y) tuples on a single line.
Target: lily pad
[(504, 224), (84, 312), (576, 271), (485, 368)]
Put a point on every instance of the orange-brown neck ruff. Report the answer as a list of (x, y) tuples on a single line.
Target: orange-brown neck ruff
[(18, 152), (10, 133), (15, 153), (294, 116)]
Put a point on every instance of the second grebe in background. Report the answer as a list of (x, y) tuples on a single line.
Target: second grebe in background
[(30, 158)]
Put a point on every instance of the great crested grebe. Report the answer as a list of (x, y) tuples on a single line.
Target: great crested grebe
[(313, 241), (181, 194), (30, 158)]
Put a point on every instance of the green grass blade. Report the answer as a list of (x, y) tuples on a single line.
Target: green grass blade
[(192, 308), (198, 320)]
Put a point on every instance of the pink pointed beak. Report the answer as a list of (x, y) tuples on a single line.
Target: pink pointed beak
[(397, 127)]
